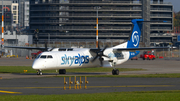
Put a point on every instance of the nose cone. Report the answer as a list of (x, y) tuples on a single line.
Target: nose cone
[(35, 65)]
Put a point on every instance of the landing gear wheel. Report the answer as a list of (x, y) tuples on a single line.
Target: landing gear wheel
[(115, 72), (62, 71), (39, 72)]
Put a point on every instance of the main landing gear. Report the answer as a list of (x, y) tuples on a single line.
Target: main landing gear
[(114, 71), (62, 71), (39, 72)]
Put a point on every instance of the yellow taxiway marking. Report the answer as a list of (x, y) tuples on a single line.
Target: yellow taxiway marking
[(90, 86), (132, 86), (9, 92)]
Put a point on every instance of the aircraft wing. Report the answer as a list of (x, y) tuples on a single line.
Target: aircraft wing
[(95, 50), (18, 47), (141, 48)]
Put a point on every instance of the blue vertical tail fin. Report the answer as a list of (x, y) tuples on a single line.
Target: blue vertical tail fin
[(134, 39)]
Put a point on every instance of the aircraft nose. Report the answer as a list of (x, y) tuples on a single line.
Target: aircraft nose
[(35, 65)]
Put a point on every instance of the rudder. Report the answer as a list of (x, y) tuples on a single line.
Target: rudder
[(134, 39)]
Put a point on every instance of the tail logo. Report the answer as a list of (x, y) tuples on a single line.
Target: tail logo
[(135, 39)]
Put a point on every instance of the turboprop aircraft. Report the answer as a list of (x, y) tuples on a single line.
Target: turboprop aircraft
[(62, 59)]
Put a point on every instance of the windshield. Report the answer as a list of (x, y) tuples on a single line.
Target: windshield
[(38, 56), (43, 56)]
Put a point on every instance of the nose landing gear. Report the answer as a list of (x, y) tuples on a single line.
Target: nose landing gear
[(39, 72)]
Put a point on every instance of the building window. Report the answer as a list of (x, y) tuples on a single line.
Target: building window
[(14, 17), (14, 8), (14, 12)]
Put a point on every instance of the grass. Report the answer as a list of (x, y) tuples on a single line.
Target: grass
[(20, 69), (114, 96), (174, 75)]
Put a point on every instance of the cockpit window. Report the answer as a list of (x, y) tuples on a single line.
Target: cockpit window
[(43, 56), (49, 56)]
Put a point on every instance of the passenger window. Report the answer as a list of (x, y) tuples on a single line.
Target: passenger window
[(43, 56), (49, 56), (61, 49), (70, 49)]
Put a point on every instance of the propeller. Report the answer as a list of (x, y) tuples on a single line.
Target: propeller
[(45, 45), (99, 54), (52, 48), (47, 49)]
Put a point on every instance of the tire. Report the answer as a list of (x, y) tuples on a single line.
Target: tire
[(113, 72), (117, 72), (62, 71)]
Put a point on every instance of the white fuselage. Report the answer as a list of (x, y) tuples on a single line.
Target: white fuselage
[(78, 58)]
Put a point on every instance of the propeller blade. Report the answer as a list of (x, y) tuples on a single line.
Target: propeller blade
[(98, 46), (45, 45), (101, 61), (99, 53), (105, 56), (94, 58), (105, 48), (51, 49)]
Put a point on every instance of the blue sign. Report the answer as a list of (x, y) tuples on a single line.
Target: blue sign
[(178, 38)]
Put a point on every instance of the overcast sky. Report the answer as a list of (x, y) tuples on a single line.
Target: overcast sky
[(176, 4)]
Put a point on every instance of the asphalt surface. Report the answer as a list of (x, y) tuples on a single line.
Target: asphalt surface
[(27, 84), (54, 85)]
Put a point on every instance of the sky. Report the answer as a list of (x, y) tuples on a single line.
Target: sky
[(176, 4)]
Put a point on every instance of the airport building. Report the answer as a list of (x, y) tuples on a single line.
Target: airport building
[(75, 20), (7, 14)]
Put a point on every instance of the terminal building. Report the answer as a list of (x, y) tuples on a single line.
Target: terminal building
[(7, 14), (75, 20)]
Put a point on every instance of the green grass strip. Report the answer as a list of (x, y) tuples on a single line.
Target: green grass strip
[(173, 75), (114, 96), (20, 69)]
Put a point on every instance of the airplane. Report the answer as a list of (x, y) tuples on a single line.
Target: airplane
[(62, 59)]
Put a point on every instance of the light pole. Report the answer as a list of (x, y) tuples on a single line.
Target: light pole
[(2, 39), (97, 7)]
